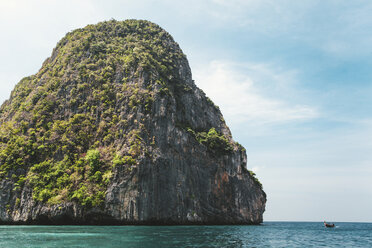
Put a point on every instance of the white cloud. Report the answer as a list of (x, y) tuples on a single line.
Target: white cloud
[(300, 174), (30, 30), (337, 28), (243, 93), (256, 169)]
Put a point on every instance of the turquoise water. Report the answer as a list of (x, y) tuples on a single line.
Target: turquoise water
[(269, 234)]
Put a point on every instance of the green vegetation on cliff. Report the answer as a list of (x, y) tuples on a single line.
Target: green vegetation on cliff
[(60, 129), (215, 141)]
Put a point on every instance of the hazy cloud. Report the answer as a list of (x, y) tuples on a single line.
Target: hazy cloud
[(236, 89), (288, 119)]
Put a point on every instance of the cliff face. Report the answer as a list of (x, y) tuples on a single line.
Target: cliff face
[(113, 130)]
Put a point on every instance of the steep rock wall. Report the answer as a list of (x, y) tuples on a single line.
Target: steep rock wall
[(113, 130)]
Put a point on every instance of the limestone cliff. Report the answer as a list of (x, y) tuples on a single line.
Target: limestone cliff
[(113, 130)]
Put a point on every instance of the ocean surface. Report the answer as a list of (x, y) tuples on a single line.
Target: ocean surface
[(269, 234)]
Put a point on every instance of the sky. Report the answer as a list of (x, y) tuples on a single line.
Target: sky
[(293, 80)]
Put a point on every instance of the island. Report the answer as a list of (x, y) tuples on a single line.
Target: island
[(112, 130)]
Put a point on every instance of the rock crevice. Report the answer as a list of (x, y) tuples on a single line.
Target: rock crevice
[(113, 130)]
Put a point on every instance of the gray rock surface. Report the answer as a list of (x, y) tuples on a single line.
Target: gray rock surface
[(176, 180)]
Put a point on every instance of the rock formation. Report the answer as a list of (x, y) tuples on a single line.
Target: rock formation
[(113, 130)]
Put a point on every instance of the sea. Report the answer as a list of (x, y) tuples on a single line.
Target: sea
[(268, 234)]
